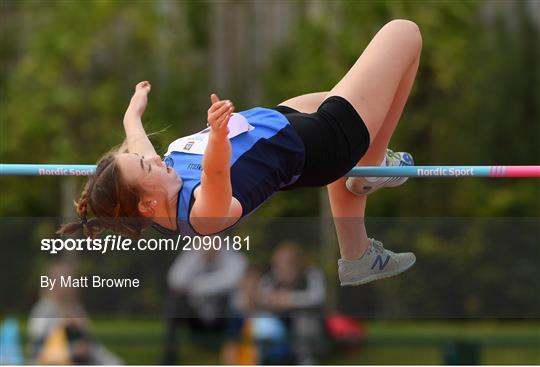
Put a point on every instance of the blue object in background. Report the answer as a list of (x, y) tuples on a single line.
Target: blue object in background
[(10, 347), (268, 328)]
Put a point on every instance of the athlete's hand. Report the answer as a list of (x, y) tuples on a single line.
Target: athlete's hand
[(219, 114), (140, 97), (143, 87)]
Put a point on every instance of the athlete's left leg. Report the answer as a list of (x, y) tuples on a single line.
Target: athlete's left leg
[(348, 208)]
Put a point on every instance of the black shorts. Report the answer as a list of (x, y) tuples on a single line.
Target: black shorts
[(335, 138)]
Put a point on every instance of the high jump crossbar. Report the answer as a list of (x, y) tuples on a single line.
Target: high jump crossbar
[(397, 171)]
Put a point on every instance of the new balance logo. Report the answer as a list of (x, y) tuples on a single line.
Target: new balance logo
[(379, 261)]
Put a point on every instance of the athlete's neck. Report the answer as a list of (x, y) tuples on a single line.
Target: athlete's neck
[(165, 214)]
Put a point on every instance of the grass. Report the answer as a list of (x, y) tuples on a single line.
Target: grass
[(420, 342), (140, 342)]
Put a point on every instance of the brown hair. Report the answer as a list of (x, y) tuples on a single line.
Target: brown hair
[(111, 200)]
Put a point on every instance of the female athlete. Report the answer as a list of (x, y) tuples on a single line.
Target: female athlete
[(210, 180)]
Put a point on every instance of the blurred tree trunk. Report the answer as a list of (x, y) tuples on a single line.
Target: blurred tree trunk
[(243, 37)]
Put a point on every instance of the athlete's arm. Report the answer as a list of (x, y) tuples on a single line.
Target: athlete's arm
[(215, 208), (136, 139)]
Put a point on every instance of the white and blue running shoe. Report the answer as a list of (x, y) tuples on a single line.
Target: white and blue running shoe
[(368, 185), (375, 263)]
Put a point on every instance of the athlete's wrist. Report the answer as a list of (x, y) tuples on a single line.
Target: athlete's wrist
[(219, 135)]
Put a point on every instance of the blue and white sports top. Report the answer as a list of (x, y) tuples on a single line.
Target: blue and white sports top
[(267, 155)]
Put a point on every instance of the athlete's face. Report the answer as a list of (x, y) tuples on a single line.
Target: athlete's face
[(148, 173)]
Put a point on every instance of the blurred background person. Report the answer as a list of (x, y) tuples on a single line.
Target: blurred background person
[(200, 284), (240, 346), (254, 335), (59, 328), (296, 293)]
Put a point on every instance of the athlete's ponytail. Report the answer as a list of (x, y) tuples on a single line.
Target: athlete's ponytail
[(113, 203)]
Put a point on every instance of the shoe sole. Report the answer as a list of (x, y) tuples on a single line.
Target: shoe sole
[(374, 277), (388, 185), (411, 163), (349, 188)]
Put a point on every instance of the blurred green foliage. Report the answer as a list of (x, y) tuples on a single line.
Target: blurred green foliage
[(68, 71)]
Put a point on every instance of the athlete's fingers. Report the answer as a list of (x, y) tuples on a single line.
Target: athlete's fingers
[(229, 106), (219, 122), (215, 122), (220, 111), (216, 105), (223, 108), (215, 119), (225, 122), (229, 110), (143, 84), (214, 98)]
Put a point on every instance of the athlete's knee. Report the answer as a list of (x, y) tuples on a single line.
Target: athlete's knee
[(403, 25), (407, 29)]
